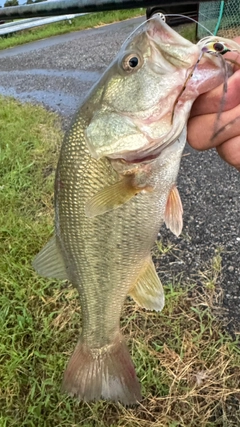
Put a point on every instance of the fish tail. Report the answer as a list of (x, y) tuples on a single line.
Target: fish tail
[(106, 373)]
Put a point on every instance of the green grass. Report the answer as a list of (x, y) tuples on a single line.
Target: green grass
[(188, 367), (62, 27), (188, 31)]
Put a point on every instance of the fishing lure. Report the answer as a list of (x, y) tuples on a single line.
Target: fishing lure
[(217, 46)]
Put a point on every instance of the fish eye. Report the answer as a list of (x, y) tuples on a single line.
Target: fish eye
[(219, 47), (131, 62)]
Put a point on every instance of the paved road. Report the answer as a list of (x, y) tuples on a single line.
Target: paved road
[(58, 72)]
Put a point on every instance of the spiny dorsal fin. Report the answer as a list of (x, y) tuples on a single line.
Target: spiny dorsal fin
[(49, 261), (174, 211), (112, 197), (148, 291)]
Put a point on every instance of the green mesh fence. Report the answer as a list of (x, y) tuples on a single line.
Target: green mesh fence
[(219, 17)]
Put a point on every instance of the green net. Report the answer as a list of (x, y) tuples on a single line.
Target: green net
[(219, 17)]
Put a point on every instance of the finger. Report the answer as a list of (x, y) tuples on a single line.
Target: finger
[(209, 102), (230, 151), (207, 131), (235, 56), (237, 39)]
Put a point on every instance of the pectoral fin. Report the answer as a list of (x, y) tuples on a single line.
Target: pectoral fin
[(49, 261), (173, 212), (112, 197), (148, 291)]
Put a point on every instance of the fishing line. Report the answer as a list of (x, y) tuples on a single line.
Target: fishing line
[(134, 31), (191, 19), (167, 14), (185, 83), (225, 127), (222, 102)]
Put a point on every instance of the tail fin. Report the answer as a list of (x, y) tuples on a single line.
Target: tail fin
[(106, 373)]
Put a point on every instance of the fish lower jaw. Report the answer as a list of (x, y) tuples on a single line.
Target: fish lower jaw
[(157, 146)]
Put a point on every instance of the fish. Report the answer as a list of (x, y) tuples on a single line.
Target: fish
[(115, 186)]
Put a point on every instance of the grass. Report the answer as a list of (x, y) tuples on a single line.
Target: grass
[(188, 31), (188, 367), (62, 27)]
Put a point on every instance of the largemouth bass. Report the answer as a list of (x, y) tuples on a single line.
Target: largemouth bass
[(114, 187)]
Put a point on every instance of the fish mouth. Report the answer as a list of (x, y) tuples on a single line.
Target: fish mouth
[(140, 133), (175, 49)]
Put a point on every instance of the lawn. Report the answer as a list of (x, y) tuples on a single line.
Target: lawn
[(189, 368)]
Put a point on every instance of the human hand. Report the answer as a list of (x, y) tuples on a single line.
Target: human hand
[(203, 124)]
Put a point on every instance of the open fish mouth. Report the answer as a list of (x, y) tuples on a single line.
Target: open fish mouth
[(138, 131), (165, 78)]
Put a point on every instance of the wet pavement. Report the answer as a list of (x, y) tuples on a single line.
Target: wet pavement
[(58, 72), (54, 88)]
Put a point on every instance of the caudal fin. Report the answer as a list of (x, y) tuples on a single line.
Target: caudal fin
[(106, 373)]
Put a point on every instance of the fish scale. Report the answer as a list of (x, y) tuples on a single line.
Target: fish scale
[(93, 254)]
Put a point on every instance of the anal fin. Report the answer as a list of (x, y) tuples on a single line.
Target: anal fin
[(49, 261), (174, 212), (148, 291)]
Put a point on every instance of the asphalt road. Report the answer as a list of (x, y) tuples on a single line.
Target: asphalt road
[(58, 72)]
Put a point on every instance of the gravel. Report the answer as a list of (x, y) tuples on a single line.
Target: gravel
[(58, 72)]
